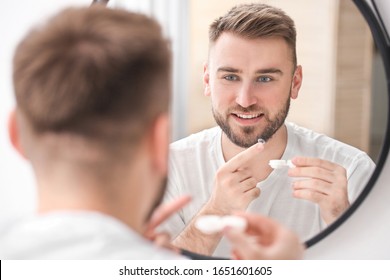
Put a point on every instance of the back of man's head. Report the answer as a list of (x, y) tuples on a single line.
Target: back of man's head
[(97, 73)]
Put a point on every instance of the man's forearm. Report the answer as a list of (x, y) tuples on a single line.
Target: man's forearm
[(194, 240)]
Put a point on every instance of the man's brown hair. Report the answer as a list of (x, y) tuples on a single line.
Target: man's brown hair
[(256, 21), (97, 72)]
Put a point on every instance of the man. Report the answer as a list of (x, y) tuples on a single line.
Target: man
[(251, 76), (92, 88)]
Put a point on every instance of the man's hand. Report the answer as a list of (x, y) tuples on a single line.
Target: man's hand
[(161, 214), (234, 188), (326, 185), (264, 239), (235, 183)]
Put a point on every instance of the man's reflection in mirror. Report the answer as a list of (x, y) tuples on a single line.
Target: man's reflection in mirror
[(251, 77)]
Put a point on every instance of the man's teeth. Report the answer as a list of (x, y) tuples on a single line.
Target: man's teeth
[(248, 116)]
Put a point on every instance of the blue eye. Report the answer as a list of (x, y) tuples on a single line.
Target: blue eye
[(264, 79), (231, 77)]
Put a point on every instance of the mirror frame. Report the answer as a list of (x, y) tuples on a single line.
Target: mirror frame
[(382, 41)]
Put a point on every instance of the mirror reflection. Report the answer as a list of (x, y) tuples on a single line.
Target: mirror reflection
[(339, 96)]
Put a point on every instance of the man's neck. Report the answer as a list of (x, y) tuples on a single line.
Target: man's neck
[(68, 189)]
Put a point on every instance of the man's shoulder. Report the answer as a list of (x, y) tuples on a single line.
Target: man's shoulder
[(308, 139), (199, 140), (76, 235)]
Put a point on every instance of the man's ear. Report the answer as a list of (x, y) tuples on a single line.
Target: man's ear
[(160, 139), (206, 79), (296, 82), (13, 133)]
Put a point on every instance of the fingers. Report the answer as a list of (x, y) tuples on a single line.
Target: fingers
[(260, 226), (163, 212), (241, 160), (235, 182), (163, 239), (264, 239), (313, 172), (233, 179), (319, 169), (324, 179), (308, 161), (244, 246), (242, 175), (313, 184), (326, 185), (310, 195), (249, 184)]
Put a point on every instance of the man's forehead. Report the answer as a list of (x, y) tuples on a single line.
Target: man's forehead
[(237, 39), (231, 50)]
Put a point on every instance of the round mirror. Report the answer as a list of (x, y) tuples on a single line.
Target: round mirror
[(343, 73)]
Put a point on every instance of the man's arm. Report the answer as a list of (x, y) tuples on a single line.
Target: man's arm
[(193, 240), (234, 188)]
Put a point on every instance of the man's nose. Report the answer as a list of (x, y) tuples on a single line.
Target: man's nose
[(246, 96)]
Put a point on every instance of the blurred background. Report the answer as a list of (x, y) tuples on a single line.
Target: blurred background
[(343, 91)]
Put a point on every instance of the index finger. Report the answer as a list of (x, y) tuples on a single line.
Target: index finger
[(260, 226), (242, 158), (163, 212), (309, 161)]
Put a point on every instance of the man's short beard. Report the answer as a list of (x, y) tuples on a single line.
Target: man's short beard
[(249, 139)]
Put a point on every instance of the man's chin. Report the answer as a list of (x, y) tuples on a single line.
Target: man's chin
[(243, 140)]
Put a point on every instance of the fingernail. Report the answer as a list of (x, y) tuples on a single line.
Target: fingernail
[(226, 230), (259, 146)]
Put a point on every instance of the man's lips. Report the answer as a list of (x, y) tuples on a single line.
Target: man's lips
[(247, 119), (248, 116)]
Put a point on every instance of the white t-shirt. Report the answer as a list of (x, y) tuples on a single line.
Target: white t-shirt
[(75, 235), (194, 161)]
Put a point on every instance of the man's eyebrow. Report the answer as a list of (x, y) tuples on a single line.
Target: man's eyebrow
[(228, 69), (260, 71), (270, 71)]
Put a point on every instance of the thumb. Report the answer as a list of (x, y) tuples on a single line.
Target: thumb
[(243, 246)]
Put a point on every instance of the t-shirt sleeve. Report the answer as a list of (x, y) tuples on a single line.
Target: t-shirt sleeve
[(359, 172)]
